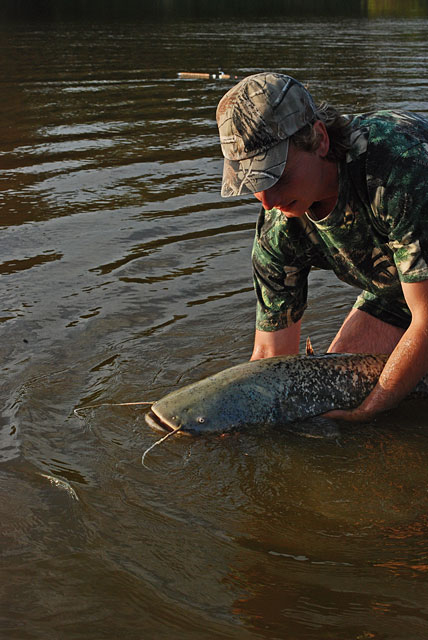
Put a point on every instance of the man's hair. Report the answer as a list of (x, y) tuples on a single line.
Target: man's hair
[(338, 129)]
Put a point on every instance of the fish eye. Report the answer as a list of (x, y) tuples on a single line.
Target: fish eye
[(201, 420)]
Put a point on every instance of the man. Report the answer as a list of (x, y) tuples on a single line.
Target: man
[(343, 193)]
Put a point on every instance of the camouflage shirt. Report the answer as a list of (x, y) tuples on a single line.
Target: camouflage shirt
[(376, 236)]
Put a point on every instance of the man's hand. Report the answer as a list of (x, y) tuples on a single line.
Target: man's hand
[(406, 365), (352, 415)]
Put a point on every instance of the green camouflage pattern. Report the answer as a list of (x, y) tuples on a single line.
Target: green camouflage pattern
[(375, 238)]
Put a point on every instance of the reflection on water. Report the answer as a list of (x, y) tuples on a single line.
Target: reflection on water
[(124, 276)]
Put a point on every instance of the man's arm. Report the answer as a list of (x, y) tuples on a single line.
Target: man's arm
[(407, 364), (277, 343)]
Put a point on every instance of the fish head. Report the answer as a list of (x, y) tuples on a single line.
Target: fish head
[(192, 413), (215, 404)]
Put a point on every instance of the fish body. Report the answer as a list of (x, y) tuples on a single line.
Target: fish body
[(273, 391)]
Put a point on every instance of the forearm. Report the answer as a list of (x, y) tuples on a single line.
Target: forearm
[(277, 343), (407, 364)]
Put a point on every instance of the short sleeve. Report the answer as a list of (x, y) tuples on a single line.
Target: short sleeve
[(280, 271)]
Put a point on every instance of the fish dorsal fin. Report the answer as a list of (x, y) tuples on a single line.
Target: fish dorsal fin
[(309, 348)]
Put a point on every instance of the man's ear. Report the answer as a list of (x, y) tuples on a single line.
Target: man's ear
[(324, 140)]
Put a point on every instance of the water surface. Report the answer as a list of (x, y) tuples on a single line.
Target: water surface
[(125, 275)]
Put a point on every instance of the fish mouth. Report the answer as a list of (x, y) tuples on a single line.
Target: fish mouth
[(158, 424)]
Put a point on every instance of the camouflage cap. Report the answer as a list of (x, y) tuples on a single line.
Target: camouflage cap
[(255, 120)]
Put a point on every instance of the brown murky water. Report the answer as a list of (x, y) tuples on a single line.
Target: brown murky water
[(124, 275)]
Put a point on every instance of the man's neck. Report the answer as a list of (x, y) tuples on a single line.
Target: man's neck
[(321, 209)]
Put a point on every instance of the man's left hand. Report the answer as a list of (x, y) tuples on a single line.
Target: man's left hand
[(351, 415)]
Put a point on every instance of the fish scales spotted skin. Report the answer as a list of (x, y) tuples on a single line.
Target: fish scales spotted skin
[(274, 392)]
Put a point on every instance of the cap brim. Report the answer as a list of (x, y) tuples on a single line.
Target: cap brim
[(251, 175)]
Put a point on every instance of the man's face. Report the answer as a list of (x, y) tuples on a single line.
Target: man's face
[(301, 184)]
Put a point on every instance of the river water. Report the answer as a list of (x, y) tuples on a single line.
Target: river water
[(125, 275)]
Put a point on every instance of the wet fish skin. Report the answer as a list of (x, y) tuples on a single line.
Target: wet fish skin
[(274, 391)]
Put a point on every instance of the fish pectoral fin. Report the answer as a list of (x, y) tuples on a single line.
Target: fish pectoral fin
[(318, 427)]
